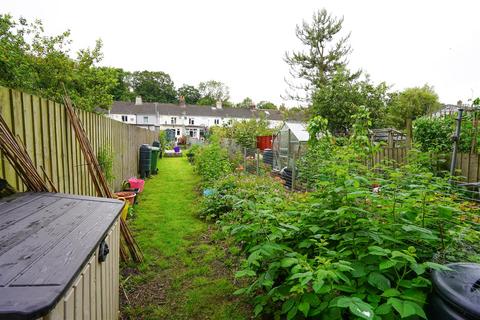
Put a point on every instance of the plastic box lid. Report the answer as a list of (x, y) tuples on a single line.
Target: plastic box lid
[(45, 240)]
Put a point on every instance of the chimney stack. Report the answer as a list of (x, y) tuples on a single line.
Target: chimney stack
[(138, 101), (181, 101), (219, 104)]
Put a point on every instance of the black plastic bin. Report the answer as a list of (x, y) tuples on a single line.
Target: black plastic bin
[(287, 176), (145, 161), (157, 144), (268, 157), (456, 293)]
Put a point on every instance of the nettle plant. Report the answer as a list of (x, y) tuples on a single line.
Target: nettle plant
[(360, 247)]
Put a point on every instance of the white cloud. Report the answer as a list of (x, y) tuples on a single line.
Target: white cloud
[(242, 43)]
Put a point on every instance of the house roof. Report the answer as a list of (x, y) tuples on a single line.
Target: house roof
[(170, 109)]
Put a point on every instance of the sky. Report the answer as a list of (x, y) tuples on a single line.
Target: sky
[(243, 43)]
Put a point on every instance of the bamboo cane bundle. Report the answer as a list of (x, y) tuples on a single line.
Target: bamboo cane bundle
[(13, 149), (99, 181)]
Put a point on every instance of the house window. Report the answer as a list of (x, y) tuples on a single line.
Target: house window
[(173, 120), (178, 132), (191, 121), (132, 119), (124, 118), (216, 121), (145, 119)]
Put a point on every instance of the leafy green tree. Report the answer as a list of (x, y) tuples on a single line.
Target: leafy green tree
[(326, 51), (190, 93), (266, 105), (411, 103), (154, 86), (213, 91), (339, 99), (246, 103), (123, 90), (38, 63)]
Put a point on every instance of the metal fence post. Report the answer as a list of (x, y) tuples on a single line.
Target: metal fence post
[(258, 162), (456, 138), (294, 171), (245, 159)]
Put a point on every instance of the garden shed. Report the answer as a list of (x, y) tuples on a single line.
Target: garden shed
[(289, 144)]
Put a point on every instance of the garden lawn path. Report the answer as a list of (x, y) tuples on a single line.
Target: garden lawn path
[(186, 274)]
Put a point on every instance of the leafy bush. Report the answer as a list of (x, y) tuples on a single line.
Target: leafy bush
[(105, 160), (360, 247), (435, 134), (211, 162)]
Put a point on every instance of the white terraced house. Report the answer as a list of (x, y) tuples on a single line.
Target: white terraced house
[(186, 120)]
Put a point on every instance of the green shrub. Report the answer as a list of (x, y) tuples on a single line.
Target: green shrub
[(211, 162), (105, 160), (347, 250), (435, 134)]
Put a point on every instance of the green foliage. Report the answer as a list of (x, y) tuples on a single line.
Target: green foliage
[(213, 91), (326, 51), (105, 160), (411, 103), (154, 86), (247, 103), (435, 134), (338, 100), (190, 93), (38, 63), (211, 162), (345, 251), (266, 105), (245, 132)]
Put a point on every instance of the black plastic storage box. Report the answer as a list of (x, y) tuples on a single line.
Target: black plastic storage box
[(456, 293), (59, 257)]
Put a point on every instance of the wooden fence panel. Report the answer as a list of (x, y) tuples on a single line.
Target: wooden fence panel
[(45, 130)]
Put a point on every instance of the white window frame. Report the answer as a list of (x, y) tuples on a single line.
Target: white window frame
[(177, 132), (173, 120), (124, 118), (191, 121), (216, 121), (145, 119)]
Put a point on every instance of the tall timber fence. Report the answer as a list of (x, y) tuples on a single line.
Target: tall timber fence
[(46, 132)]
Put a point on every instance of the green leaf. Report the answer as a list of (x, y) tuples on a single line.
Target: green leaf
[(406, 308), (414, 295), (301, 275), (245, 273), (436, 266), (258, 309), (387, 264), (378, 251), (391, 293), (383, 309), (287, 305), (288, 262), (418, 268), (317, 285), (379, 281), (304, 307), (292, 313), (356, 306)]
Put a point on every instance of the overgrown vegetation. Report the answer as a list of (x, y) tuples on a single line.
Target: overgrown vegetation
[(105, 160), (435, 134), (245, 132), (360, 247)]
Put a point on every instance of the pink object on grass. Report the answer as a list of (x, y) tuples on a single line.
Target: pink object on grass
[(136, 183)]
